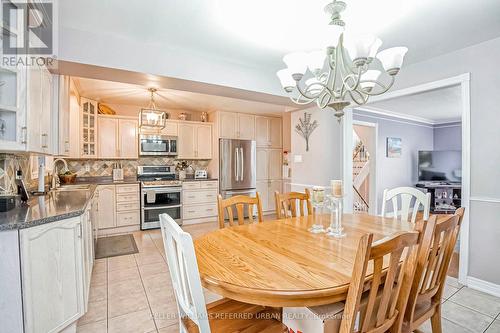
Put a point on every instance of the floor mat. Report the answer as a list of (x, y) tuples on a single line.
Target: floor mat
[(114, 246)]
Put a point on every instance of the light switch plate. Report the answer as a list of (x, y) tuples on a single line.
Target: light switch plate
[(297, 158)]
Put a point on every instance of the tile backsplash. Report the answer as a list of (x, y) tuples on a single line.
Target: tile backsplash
[(9, 163), (97, 168)]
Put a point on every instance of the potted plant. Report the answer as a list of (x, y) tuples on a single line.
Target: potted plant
[(181, 169)]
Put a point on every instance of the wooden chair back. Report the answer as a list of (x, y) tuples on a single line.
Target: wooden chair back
[(239, 202), (436, 250), (184, 273), (286, 204), (407, 196), (388, 289)]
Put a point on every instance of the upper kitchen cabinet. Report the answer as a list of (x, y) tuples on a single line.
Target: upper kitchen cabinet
[(171, 129), (117, 137), (195, 141), (268, 132), (39, 111), (88, 128), (234, 125), (63, 95)]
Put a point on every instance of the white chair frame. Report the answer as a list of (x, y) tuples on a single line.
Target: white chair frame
[(184, 273), (406, 194)]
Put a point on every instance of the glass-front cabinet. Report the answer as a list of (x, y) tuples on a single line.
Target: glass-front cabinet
[(88, 127), (12, 90)]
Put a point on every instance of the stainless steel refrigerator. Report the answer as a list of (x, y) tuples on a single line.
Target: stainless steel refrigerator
[(237, 167)]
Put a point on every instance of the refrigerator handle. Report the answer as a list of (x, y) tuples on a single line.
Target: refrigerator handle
[(236, 164), (242, 164)]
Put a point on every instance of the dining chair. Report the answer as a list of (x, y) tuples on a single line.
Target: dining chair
[(239, 202), (222, 316), (386, 300), (286, 204), (407, 196), (436, 250)]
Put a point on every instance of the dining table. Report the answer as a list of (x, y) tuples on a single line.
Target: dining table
[(280, 263)]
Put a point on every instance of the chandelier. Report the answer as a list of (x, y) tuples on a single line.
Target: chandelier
[(151, 117), (351, 74)]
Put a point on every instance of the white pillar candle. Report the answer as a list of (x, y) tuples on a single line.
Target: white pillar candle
[(337, 188)]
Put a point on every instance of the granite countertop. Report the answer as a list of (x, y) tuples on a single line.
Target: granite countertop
[(106, 180), (199, 180), (55, 206)]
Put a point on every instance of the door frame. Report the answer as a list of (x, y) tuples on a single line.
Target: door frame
[(463, 81), (372, 201)]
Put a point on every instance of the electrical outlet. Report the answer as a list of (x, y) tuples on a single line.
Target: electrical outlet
[(87, 167)]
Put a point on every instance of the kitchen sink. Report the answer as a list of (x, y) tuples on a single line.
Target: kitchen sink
[(72, 188)]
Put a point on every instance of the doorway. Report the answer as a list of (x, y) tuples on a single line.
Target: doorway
[(364, 161), (461, 83)]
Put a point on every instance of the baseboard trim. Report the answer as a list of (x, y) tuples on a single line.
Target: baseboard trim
[(484, 286)]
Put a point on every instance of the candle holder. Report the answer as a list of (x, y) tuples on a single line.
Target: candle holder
[(335, 229), (318, 202)]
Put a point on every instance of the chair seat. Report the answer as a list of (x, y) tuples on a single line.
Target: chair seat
[(423, 312), (230, 316)]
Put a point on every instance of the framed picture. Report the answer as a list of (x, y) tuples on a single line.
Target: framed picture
[(394, 147)]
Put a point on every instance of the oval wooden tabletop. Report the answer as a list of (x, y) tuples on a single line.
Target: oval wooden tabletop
[(280, 263)]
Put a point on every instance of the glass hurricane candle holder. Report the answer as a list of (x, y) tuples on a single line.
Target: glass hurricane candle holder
[(335, 206), (318, 202)]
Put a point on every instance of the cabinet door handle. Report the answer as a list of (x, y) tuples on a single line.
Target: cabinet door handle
[(24, 135), (80, 231), (191, 196), (45, 140)]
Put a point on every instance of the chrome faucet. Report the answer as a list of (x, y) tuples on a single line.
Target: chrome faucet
[(55, 179)]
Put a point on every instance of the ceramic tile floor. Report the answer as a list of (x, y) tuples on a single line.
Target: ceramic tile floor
[(133, 294)]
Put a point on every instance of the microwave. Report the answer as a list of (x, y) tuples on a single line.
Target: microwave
[(157, 145)]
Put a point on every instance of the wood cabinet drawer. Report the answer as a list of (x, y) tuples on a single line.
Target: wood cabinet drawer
[(190, 185), (198, 197), (127, 218), (127, 197), (132, 188), (199, 211), (209, 184), (125, 206)]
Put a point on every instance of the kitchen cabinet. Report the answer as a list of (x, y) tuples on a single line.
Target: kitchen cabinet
[(195, 141), (63, 121), (170, 129), (234, 125), (199, 200), (106, 216), (88, 128), (117, 137), (268, 132), (107, 138), (268, 175), (119, 206), (52, 275), (39, 125), (266, 189)]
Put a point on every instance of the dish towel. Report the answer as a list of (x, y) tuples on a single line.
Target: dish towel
[(150, 196)]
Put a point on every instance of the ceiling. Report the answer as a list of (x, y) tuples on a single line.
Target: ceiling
[(130, 94), (259, 32), (436, 106)]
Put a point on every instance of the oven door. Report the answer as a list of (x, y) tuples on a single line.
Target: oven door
[(151, 216), (150, 145)]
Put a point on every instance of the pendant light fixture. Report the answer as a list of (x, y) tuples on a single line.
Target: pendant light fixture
[(151, 117)]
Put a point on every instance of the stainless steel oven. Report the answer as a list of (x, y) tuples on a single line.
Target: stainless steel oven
[(156, 200), (157, 145)]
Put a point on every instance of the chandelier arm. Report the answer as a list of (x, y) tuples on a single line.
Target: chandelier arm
[(298, 100), (345, 84), (321, 101), (363, 96), (384, 88), (345, 64)]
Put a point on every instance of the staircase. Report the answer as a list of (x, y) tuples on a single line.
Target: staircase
[(360, 173)]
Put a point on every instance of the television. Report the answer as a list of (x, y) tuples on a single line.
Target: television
[(440, 166)]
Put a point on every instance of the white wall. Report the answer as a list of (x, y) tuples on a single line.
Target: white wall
[(323, 161), (481, 61)]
